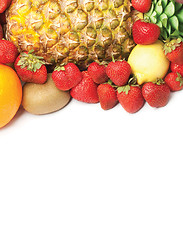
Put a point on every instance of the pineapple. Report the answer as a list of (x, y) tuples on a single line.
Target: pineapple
[(79, 31)]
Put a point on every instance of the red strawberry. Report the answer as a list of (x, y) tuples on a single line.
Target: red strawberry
[(30, 68), (97, 72), (86, 90), (66, 77), (176, 68), (142, 5), (107, 96), (8, 52), (174, 81), (119, 72), (156, 94), (145, 33), (130, 98), (174, 51), (4, 4), (1, 32)]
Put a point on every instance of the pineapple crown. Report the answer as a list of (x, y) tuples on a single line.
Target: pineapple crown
[(31, 61), (168, 15)]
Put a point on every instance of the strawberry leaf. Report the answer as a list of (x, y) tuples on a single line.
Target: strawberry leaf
[(159, 81), (179, 79), (59, 68), (31, 61), (124, 89)]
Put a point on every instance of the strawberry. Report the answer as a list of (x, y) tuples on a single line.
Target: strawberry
[(97, 72), (107, 96), (86, 90), (119, 72), (8, 52), (31, 68), (1, 32), (4, 4), (130, 97), (174, 51), (174, 81), (156, 94), (177, 68), (141, 5), (145, 33), (66, 77)]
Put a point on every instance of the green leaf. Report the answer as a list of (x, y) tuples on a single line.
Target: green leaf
[(170, 9), (164, 3), (177, 6), (159, 8), (153, 17), (174, 22), (125, 89), (110, 82), (160, 24), (150, 11), (181, 28), (59, 68), (175, 34), (169, 28), (180, 15), (164, 33), (164, 19), (37, 66)]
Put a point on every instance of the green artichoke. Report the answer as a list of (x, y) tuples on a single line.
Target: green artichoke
[(168, 15)]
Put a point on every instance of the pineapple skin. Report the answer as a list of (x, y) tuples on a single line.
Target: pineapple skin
[(79, 31)]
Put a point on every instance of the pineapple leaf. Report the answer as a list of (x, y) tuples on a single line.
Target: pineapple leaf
[(180, 15), (164, 33), (164, 19), (177, 6), (169, 28), (175, 34), (170, 9), (181, 30), (148, 14), (164, 3), (168, 15), (159, 8), (174, 22), (160, 24), (153, 17)]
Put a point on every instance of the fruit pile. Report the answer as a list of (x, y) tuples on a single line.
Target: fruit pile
[(152, 70)]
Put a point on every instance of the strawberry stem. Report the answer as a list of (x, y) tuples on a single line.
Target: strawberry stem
[(111, 83), (113, 58)]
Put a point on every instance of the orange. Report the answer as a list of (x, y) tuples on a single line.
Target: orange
[(10, 94)]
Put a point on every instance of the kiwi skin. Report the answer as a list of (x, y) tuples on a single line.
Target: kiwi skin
[(44, 98)]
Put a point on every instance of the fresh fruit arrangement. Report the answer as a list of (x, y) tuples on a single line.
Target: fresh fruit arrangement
[(99, 51)]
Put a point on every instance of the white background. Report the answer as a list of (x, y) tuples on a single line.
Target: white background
[(89, 174)]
